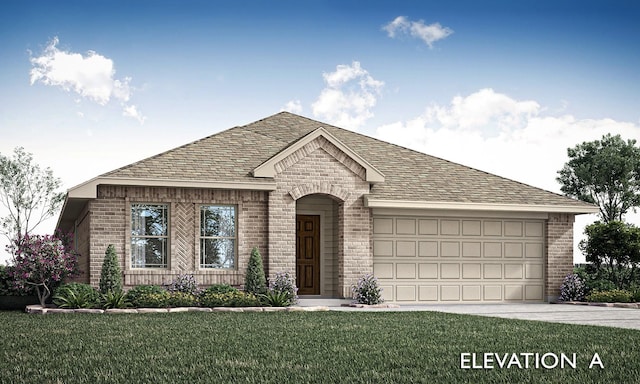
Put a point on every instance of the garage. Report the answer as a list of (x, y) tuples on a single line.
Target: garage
[(423, 259)]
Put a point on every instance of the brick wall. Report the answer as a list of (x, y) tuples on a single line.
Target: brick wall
[(321, 168), (559, 250), (110, 224)]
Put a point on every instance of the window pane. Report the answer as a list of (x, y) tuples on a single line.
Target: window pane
[(218, 221), (148, 220), (148, 253), (217, 253)]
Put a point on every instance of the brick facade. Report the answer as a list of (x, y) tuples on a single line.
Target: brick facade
[(110, 214), (267, 220), (559, 250), (321, 168)]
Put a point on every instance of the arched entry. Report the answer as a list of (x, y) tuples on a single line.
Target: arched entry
[(317, 250)]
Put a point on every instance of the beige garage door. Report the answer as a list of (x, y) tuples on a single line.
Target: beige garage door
[(439, 259)]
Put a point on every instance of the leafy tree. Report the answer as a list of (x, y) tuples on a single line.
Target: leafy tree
[(110, 276), (28, 192), (613, 248), (255, 280), (604, 172), (42, 261)]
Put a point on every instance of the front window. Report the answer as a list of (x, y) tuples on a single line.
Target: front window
[(149, 235), (218, 236)]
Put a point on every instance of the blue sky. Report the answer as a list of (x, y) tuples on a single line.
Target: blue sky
[(503, 86)]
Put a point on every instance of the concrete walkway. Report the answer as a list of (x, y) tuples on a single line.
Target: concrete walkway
[(555, 313)]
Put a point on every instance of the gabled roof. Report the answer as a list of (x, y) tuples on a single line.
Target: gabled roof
[(243, 157)]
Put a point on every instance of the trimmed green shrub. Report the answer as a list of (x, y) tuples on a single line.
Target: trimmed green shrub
[(76, 295), (117, 299), (137, 296), (182, 299), (153, 300), (255, 281), (367, 291), (220, 288), (229, 299), (111, 275), (612, 296)]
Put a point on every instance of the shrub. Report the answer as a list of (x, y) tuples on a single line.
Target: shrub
[(110, 276), (612, 296), (76, 295), (255, 281), (572, 288), (42, 262), (367, 291), (137, 296), (184, 283), (229, 299), (220, 288), (182, 299), (8, 287), (114, 299), (286, 284), (276, 299)]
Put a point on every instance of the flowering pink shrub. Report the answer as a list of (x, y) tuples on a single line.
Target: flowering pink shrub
[(42, 261)]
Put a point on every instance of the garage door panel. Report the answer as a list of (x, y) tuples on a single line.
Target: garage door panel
[(406, 226), (450, 293), (471, 293), (471, 270), (405, 271), (450, 249), (428, 293), (405, 293), (471, 249), (513, 250), (449, 271), (382, 248), (428, 249), (405, 248), (428, 271), (431, 259), (383, 270)]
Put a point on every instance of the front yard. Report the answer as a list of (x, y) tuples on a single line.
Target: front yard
[(295, 347)]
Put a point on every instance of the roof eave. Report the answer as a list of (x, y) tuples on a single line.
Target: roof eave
[(89, 189), (495, 207)]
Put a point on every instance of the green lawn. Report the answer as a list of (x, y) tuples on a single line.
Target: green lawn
[(295, 347)]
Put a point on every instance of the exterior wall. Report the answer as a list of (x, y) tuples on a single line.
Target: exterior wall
[(110, 223), (82, 242), (328, 211), (321, 168), (559, 246)]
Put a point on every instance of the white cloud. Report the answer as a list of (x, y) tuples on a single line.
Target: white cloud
[(418, 29), (293, 106), (350, 94), (90, 76), (132, 111), (511, 138)]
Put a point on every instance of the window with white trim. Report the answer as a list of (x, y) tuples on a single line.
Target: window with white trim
[(218, 236), (149, 235)]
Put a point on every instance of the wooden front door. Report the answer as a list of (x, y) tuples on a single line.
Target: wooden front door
[(308, 254)]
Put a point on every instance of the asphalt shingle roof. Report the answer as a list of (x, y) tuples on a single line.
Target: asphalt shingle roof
[(232, 155)]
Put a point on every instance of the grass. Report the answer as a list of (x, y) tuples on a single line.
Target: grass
[(295, 347)]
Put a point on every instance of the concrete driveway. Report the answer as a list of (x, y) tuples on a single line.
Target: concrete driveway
[(555, 313)]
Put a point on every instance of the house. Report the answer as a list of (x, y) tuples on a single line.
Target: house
[(328, 205)]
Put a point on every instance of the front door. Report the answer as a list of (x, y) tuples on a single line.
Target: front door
[(308, 254)]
